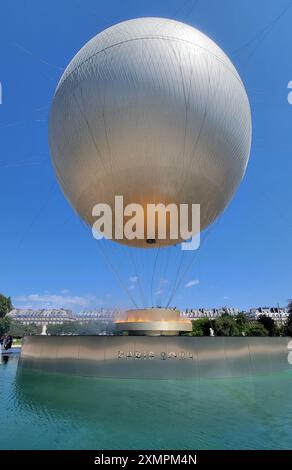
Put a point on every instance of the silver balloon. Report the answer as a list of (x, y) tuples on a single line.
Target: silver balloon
[(153, 110)]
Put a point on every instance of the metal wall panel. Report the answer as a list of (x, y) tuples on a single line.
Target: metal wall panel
[(211, 357), (91, 356), (155, 357), (237, 357)]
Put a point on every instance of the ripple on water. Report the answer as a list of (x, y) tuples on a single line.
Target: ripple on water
[(43, 411)]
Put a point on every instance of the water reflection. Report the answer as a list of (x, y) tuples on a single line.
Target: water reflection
[(4, 359)]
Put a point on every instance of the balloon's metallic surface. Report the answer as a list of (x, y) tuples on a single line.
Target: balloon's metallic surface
[(153, 110)]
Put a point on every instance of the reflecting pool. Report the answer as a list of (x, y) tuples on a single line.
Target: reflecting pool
[(46, 411)]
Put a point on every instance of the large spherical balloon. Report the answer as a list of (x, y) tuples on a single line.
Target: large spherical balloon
[(153, 110)]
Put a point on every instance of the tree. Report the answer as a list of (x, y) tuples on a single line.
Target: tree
[(241, 320), (66, 328), (5, 305), (201, 327), (280, 330), (269, 324), (288, 324), (89, 328), (226, 326), (76, 328), (18, 329), (4, 325), (256, 328)]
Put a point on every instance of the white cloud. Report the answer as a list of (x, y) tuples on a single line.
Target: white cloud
[(158, 292), (132, 287), (193, 282), (163, 281), (57, 301), (25, 306), (133, 279), (65, 291)]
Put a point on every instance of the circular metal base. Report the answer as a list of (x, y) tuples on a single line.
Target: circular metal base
[(153, 322)]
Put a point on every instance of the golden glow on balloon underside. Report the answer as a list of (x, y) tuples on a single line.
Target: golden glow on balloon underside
[(152, 222)]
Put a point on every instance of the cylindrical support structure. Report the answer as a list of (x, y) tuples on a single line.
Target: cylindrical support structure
[(153, 322)]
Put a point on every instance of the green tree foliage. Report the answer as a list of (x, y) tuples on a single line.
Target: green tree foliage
[(239, 325), (226, 326), (66, 328), (4, 325), (242, 320), (201, 327), (256, 328), (280, 330), (288, 324), (5, 305), (269, 324), (18, 329), (77, 328)]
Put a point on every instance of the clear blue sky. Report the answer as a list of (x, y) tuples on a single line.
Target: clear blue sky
[(46, 256)]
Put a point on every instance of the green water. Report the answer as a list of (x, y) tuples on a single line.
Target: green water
[(40, 411)]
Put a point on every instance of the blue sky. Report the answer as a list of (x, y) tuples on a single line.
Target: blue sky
[(48, 258)]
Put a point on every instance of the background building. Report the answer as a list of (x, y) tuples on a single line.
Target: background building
[(42, 316), (59, 316), (278, 314), (101, 315), (108, 316), (209, 313)]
